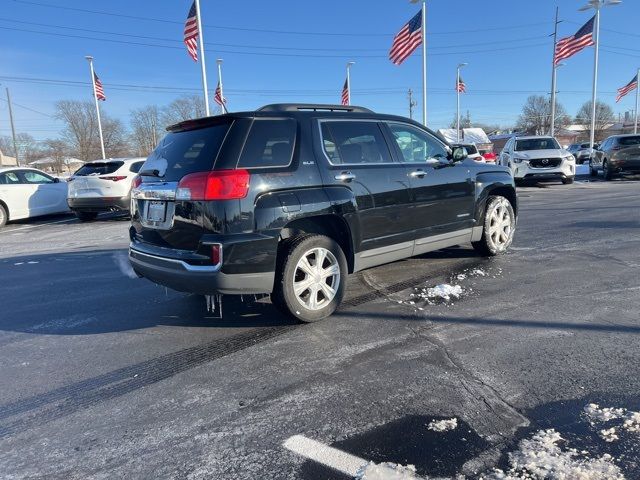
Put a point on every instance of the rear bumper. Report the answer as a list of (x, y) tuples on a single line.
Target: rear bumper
[(179, 274), (99, 204), (626, 165)]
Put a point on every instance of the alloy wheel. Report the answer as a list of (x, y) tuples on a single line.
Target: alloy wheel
[(316, 278), (500, 226)]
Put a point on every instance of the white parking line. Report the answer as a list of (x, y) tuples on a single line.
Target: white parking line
[(29, 227), (319, 452)]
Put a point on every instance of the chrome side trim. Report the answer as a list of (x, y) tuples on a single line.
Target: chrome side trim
[(443, 236), (155, 191), (389, 249), (185, 265)]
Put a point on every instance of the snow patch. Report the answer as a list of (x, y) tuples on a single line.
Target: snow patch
[(386, 471), (609, 434), (630, 420), (443, 425), (443, 291), (122, 262), (595, 413), (542, 458)]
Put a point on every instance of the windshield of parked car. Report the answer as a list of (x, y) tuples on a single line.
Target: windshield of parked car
[(629, 141), (98, 168), (536, 144)]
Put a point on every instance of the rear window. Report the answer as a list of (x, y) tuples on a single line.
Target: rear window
[(269, 144), (98, 168), (628, 141), (181, 153), (135, 167), (471, 149)]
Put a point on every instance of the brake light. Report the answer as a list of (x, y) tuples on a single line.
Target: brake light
[(216, 254), (136, 182), (115, 178), (216, 185)]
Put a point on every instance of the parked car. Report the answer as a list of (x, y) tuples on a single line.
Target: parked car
[(102, 186), (28, 192), (581, 151), (538, 158), (617, 154), (472, 151), (290, 199), (488, 154)]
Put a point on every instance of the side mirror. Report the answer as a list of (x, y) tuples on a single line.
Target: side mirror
[(56, 180), (458, 154)]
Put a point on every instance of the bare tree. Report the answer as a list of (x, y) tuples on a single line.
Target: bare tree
[(115, 138), (604, 118), (57, 150), (6, 146), (28, 148), (183, 108), (146, 130), (536, 116), (465, 121)]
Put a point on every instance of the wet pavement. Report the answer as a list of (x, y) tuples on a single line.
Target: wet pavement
[(107, 376)]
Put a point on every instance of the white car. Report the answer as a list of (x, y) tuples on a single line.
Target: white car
[(28, 192), (472, 151), (102, 186), (538, 158)]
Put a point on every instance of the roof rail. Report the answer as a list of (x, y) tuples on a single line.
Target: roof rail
[(311, 107)]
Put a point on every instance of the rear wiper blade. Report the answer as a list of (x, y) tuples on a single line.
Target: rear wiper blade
[(150, 173)]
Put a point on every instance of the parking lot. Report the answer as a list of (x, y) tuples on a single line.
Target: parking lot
[(107, 376)]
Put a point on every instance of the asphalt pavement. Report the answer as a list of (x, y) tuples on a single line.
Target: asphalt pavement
[(106, 376)]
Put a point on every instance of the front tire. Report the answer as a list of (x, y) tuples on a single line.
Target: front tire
[(310, 277), (4, 215), (86, 216), (592, 171), (498, 229)]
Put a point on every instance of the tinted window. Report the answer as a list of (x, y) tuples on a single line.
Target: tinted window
[(471, 149), (628, 141), (98, 168), (354, 142), (9, 178), (36, 177), (181, 153), (585, 145), (135, 167), (536, 144), (269, 144), (416, 145)]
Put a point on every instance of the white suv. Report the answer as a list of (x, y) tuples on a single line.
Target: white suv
[(538, 158), (102, 186)]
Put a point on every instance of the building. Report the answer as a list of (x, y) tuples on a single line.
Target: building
[(7, 161)]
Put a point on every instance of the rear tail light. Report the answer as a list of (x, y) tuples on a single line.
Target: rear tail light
[(216, 185), (115, 178), (216, 254), (136, 182)]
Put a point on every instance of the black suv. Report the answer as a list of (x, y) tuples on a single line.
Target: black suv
[(290, 199)]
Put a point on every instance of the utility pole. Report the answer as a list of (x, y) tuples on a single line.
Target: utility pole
[(13, 128), (412, 103)]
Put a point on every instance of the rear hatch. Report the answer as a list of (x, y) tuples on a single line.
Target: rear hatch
[(164, 217), (97, 179), (629, 152)]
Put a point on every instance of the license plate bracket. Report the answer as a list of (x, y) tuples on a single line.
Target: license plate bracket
[(156, 211)]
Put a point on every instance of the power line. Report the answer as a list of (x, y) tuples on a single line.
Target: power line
[(288, 32), (27, 108)]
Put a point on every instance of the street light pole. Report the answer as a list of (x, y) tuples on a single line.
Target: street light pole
[(460, 65), (349, 82), (424, 62), (13, 128)]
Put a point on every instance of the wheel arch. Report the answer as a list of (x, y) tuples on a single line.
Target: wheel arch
[(6, 209)]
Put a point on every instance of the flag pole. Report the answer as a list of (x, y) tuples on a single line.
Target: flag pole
[(219, 62), (458, 104), (424, 62), (95, 98), (595, 79), (202, 64), (349, 82), (635, 125), (554, 73)]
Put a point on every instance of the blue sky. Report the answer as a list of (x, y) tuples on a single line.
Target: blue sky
[(506, 44)]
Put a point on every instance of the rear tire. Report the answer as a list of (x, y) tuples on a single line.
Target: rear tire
[(86, 216), (498, 228), (4, 215), (304, 289), (606, 170)]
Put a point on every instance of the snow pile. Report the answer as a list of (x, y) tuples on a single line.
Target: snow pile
[(444, 291), (478, 272), (443, 425), (386, 471), (630, 420), (541, 458)]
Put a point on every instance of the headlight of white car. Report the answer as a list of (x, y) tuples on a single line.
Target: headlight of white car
[(570, 158), (518, 159)]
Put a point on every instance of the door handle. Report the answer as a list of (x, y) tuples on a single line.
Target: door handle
[(345, 177), (418, 173)]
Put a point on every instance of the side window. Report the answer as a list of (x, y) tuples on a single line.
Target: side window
[(417, 146), (35, 177), (9, 178), (135, 167), (354, 142), (269, 144)]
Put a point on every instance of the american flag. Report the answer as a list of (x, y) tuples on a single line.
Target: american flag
[(345, 93), (191, 33), (407, 40), (99, 88), (461, 87), (218, 98), (632, 85), (569, 46)]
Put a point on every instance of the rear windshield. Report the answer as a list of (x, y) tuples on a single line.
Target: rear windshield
[(536, 144), (98, 168), (471, 149), (181, 153), (628, 141)]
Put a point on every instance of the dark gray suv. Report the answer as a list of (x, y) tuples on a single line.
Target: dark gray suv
[(290, 199), (617, 154)]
